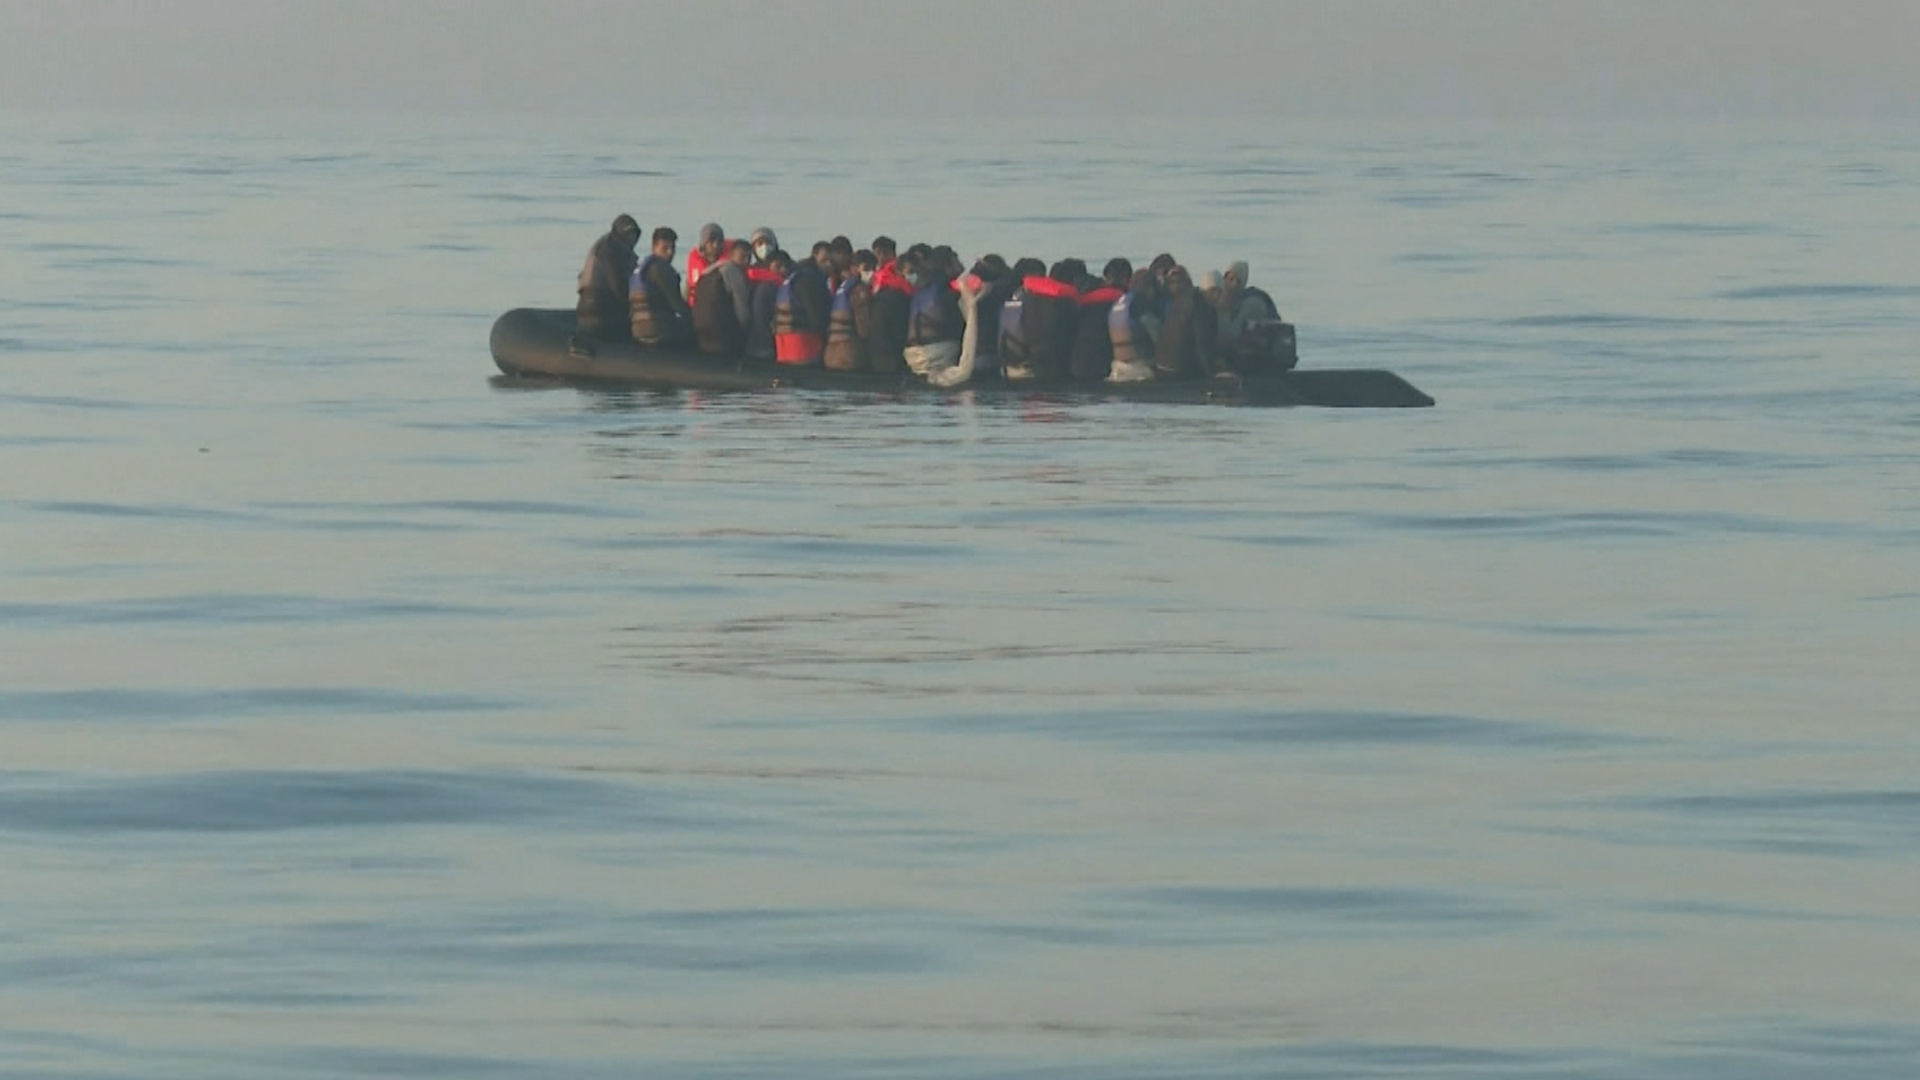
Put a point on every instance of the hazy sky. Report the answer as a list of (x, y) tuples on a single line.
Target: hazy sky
[(1599, 58)]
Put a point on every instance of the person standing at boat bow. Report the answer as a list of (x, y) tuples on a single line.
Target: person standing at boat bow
[(602, 309)]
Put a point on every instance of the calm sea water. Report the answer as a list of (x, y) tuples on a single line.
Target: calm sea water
[(362, 718)]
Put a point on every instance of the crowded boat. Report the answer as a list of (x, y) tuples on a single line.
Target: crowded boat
[(923, 312)]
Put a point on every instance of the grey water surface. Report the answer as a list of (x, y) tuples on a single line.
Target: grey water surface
[(360, 717)]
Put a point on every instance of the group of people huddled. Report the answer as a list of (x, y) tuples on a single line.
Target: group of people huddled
[(924, 311)]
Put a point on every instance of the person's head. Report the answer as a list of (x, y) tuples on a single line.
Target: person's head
[(1234, 281), (1117, 273), (1160, 265), (1029, 267), (865, 263), (991, 268), (764, 243), (1209, 286), (665, 242), (626, 230), (713, 241), (822, 256), (1177, 281), (885, 249), (740, 253), (780, 262), (945, 263), (840, 254), (912, 267), (1068, 272)]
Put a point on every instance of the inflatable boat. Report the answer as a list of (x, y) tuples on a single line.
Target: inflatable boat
[(532, 343)]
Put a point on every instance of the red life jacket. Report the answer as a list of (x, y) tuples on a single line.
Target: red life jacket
[(1104, 296), (697, 266), (760, 273), (889, 278), (1046, 286)]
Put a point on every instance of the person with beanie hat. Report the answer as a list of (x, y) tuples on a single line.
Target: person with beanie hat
[(601, 311)]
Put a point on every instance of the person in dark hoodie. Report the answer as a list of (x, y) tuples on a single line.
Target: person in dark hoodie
[(849, 321), (722, 305), (981, 293), (660, 316), (709, 251), (893, 287), (604, 279), (1186, 348), (1091, 359), (802, 311)]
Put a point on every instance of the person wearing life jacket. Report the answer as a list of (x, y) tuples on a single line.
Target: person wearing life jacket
[(1091, 357), (763, 285), (1186, 348), (982, 292), (802, 312), (849, 320), (660, 316), (1012, 348), (935, 325), (1127, 332), (1050, 316), (839, 260), (890, 312), (886, 251), (602, 309), (708, 252), (722, 308), (1253, 338)]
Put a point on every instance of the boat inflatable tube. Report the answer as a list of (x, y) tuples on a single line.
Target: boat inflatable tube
[(534, 343)]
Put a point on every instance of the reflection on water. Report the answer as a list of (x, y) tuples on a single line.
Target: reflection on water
[(366, 716)]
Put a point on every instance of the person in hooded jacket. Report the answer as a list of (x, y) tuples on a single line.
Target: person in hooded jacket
[(660, 317), (602, 309), (1091, 358), (722, 307), (1186, 348), (850, 319), (802, 313), (764, 245), (1253, 339), (763, 285), (981, 292), (708, 252), (893, 288)]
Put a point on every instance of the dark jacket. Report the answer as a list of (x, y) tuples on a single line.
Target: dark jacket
[(602, 308), (1091, 357), (660, 314), (804, 304), (1050, 314), (721, 311), (986, 311), (934, 314), (887, 335)]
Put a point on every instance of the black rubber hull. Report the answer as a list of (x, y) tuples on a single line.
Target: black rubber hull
[(534, 343)]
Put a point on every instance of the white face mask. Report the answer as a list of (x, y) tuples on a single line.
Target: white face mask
[(760, 251), (912, 278), (866, 276)]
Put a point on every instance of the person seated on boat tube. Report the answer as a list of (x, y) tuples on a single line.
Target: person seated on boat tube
[(889, 311), (1049, 317), (602, 308), (850, 319), (722, 307), (1186, 347), (763, 283), (934, 323), (1128, 332), (1251, 337), (708, 252), (1012, 346), (661, 318), (802, 311), (981, 292), (1091, 357)]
